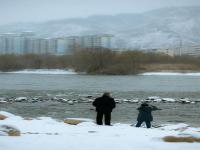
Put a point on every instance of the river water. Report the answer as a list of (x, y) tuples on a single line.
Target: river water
[(128, 87)]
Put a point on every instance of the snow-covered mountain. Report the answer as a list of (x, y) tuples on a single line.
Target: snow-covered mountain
[(164, 27)]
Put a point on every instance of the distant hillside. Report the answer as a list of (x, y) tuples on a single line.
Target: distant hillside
[(158, 28)]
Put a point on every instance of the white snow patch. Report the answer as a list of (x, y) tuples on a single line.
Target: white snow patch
[(175, 126), (47, 133), (43, 71), (82, 119), (7, 114), (169, 74)]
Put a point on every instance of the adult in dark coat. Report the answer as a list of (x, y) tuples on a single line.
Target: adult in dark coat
[(145, 114), (104, 106)]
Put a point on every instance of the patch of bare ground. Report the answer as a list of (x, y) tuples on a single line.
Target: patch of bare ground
[(181, 139), (2, 117), (72, 121), (9, 130)]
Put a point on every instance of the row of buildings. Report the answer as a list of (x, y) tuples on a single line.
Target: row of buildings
[(29, 42), (187, 50)]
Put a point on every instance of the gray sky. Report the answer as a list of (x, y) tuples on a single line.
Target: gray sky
[(42, 10)]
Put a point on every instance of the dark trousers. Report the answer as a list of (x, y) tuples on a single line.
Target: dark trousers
[(107, 118), (148, 124)]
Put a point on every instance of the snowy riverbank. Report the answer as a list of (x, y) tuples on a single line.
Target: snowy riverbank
[(43, 71), (70, 71), (170, 74), (47, 133)]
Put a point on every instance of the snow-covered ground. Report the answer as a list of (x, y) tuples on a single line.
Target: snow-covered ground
[(48, 134), (43, 71), (170, 74)]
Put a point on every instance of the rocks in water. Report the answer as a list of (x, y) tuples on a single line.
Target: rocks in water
[(37, 99), (119, 101), (53, 98), (34, 101), (134, 101), (125, 100), (3, 117), (7, 130), (21, 99), (157, 100), (70, 102), (75, 101), (62, 100), (129, 100), (89, 96), (89, 99), (3, 100), (86, 100), (168, 100), (153, 99), (185, 101)]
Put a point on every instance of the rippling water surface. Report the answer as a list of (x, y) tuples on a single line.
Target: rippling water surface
[(130, 87)]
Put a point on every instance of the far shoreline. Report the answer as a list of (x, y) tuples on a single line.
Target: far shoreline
[(72, 72)]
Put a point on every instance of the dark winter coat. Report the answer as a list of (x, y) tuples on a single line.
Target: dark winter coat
[(104, 104), (145, 113)]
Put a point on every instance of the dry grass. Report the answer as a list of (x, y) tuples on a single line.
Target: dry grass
[(9, 130), (72, 121), (14, 133), (171, 67), (181, 139), (2, 117)]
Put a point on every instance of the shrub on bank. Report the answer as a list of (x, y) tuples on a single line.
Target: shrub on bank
[(101, 61)]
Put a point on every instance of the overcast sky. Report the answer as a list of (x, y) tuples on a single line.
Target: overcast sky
[(42, 10)]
